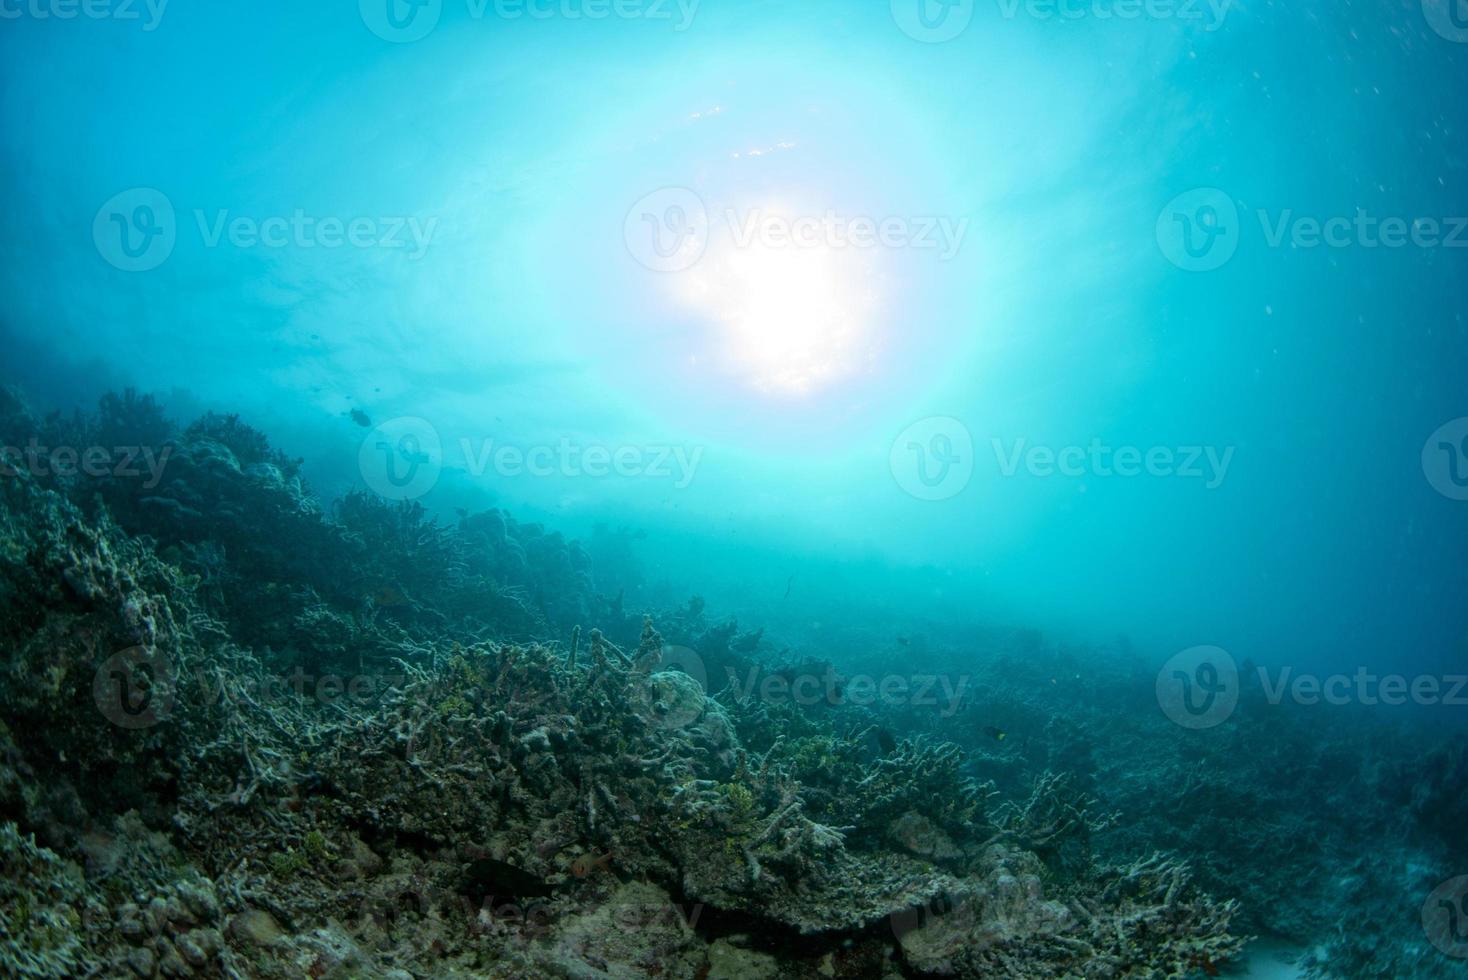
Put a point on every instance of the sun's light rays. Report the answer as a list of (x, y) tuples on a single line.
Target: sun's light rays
[(786, 318)]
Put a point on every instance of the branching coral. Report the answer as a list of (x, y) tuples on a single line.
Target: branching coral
[(42, 909), (271, 827), (1052, 819)]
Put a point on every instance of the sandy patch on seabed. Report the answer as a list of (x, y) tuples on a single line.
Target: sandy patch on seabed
[(1270, 959)]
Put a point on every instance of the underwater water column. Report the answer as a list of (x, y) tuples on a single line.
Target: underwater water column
[(677, 488)]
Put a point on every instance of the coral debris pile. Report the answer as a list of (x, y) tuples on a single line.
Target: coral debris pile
[(246, 735)]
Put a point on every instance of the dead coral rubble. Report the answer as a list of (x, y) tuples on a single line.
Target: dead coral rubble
[(467, 806)]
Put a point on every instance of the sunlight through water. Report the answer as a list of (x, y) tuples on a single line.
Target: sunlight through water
[(787, 317)]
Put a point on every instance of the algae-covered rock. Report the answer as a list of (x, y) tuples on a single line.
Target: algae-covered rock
[(730, 962), (637, 932), (255, 927), (920, 835), (1005, 904), (1142, 920), (43, 906)]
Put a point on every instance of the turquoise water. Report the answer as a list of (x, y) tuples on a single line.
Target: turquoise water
[(886, 328), (517, 146)]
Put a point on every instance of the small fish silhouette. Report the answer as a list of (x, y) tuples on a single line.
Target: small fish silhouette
[(1204, 962), (387, 597), (588, 864)]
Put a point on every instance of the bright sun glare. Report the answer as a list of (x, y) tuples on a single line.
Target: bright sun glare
[(788, 318)]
